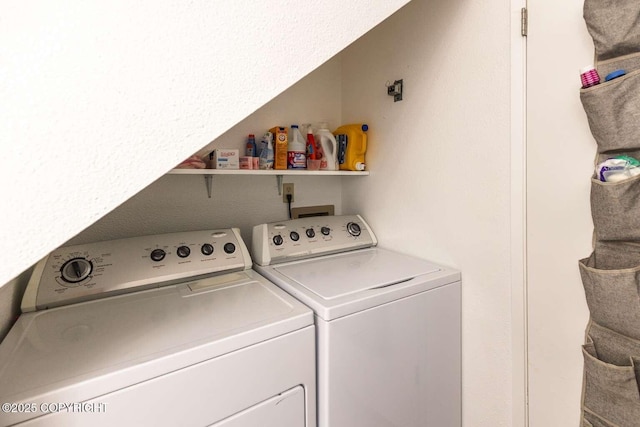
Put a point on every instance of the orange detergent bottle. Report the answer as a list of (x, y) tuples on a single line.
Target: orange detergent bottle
[(352, 146)]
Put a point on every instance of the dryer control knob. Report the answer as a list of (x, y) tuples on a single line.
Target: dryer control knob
[(310, 233), (277, 239), (294, 236), (325, 230), (229, 248), (353, 229), (76, 270), (158, 255)]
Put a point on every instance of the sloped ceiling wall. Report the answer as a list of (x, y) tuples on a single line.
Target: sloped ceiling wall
[(100, 99)]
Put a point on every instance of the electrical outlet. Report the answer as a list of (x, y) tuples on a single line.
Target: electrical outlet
[(287, 188)]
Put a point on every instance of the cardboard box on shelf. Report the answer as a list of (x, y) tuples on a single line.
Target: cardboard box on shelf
[(225, 158)]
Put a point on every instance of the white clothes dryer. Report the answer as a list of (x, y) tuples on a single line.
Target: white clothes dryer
[(388, 324), (164, 330)]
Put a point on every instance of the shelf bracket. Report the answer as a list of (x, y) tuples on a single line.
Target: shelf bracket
[(208, 180), (279, 184)]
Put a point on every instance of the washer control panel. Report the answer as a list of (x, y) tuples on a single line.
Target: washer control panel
[(306, 237), (95, 270)]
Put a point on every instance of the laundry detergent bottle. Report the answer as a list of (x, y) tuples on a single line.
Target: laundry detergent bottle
[(327, 148), (352, 146)]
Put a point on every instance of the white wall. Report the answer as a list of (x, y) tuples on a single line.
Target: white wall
[(560, 152), (440, 167), (101, 99)]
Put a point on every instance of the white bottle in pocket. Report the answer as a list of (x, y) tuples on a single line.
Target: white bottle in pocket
[(327, 148)]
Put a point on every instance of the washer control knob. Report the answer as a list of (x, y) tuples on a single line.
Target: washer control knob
[(207, 249), (294, 236), (325, 230), (310, 233), (158, 255), (76, 270), (353, 229), (229, 248), (277, 240), (183, 251)]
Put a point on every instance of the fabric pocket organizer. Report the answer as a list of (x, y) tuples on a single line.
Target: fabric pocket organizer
[(628, 63), (592, 420), (611, 275), (615, 209), (611, 367), (613, 112), (613, 26), (612, 296), (616, 254)]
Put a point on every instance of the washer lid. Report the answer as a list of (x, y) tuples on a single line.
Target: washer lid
[(336, 276)]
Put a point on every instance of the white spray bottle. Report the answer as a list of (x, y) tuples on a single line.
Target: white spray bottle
[(266, 154), (327, 148)]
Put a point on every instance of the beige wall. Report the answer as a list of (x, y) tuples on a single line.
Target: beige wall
[(440, 168), (180, 202)]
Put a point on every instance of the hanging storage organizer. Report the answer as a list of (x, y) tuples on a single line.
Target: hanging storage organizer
[(611, 274)]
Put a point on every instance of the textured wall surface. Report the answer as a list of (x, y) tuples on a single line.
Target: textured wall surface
[(101, 99), (180, 202)]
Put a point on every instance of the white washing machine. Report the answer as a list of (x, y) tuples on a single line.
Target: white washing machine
[(388, 324), (164, 330)]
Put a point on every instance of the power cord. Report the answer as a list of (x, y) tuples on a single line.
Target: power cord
[(289, 197)]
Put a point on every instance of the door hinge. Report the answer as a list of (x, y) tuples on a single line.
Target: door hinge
[(524, 22)]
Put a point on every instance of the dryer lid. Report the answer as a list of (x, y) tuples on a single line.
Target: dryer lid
[(110, 343), (336, 276)]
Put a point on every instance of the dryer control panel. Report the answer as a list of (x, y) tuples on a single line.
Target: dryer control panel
[(306, 237), (78, 273)]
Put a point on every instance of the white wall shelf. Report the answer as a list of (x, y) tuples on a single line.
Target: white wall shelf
[(208, 174)]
